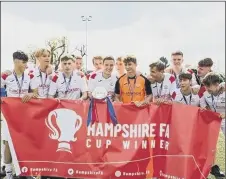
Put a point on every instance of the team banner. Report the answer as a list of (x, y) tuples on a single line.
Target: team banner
[(51, 137)]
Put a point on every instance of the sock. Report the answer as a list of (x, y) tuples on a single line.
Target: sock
[(9, 171), (2, 154)]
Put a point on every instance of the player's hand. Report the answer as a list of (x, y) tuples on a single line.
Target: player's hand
[(195, 89), (137, 103), (27, 97), (81, 99), (203, 109), (35, 95), (118, 102), (7, 72), (168, 102), (222, 115), (140, 103), (169, 70), (159, 101), (222, 87), (150, 79)]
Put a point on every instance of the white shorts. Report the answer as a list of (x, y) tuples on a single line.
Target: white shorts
[(4, 130)]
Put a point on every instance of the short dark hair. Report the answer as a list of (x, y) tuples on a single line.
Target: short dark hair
[(206, 62), (20, 56), (211, 79), (128, 59), (177, 53), (66, 58), (108, 58), (160, 66), (185, 75)]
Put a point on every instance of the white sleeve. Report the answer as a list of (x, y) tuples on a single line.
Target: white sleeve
[(53, 86), (193, 80), (203, 103), (84, 87), (33, 82), (3, 81)]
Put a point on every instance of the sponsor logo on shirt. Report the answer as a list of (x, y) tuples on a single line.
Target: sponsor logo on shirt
[(129, 94), (23, 91), (165, 87)]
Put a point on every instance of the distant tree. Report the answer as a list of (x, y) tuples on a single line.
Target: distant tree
[(81, 49), (82, 52), (57, 47), (165, 61), (31, 53)]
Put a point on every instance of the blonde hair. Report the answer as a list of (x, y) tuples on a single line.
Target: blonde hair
[(120, 59), (98, 58), (78, 58), (38, 53)]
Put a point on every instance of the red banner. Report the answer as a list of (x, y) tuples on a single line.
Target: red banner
[(51, 138)]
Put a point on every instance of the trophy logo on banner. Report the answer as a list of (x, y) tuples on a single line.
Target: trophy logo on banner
[(63, 125)]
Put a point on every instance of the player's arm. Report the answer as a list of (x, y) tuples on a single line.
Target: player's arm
[(84, 88), (53, 87), (6, 72), (169, 70), (3, 85), (148, 91), (203, 104), (3, 80), (91, 85), (117, 97), (193, 80), (34, 89)]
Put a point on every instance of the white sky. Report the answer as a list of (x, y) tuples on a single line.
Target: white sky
[(146, 30)]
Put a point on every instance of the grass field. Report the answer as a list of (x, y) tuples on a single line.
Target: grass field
[(220, 155)]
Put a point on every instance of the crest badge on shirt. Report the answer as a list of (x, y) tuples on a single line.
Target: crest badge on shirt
[(165, 87)]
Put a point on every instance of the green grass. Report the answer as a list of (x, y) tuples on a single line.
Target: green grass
[(220, 155)]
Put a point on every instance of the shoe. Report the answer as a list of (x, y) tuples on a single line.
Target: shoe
[(9, 175), (2, 172), (215, 171)]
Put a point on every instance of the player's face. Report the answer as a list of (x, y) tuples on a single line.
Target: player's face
[(213, 89), (44, 59), (20, 64), (155, 74), (202, 71), (130, 67), (185, 83), (120, 66), (98, 64), (78, 64), (67, 66), (177, 60), (108, 66)]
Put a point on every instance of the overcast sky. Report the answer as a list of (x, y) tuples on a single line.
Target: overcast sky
[(146, 30)]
